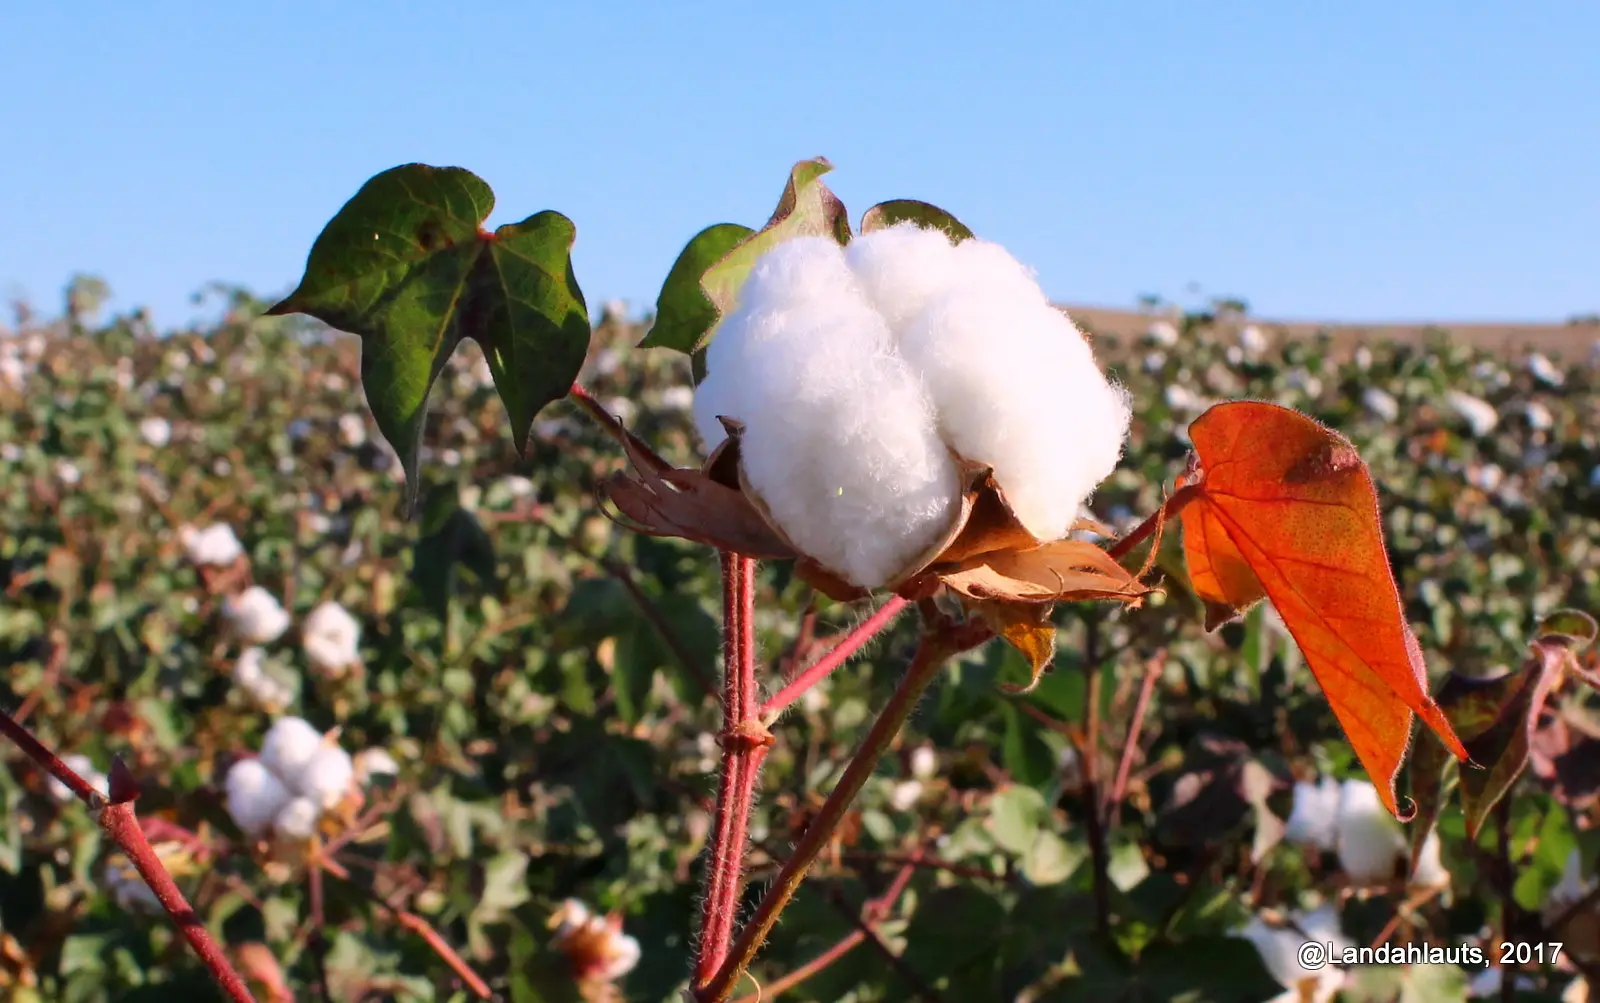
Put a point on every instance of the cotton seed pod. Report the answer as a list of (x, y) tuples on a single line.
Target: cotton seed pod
[(255, 796), (289, 747)]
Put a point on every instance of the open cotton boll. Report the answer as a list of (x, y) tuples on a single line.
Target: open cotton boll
[(326, 779), (375, 762), (289, 747), (255, 796), (213, 545), (332, 638), (1381, 403), (1314, 819), (902, 269), (839, 441), (255, 615), (1279, 948), (297, 819), (1478, 413), (1016, 388), (1369, 840)]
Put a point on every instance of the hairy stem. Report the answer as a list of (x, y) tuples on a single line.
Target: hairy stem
[(1130, 745), (837, 656), (744, 746), (941, 640), (1175, 504)]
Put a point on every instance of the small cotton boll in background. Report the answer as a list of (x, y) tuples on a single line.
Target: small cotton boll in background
[(676, 399), (1381, 403), (68, 473), (1369, 840), (1486, 477), (595, 946), (255, 615), (255, 796), (83, 766), (1314, 819), (129, 890), (331, 638), (839, 439), (155, 431), (1252, 341), (1542, 369), (352, 430), (215, 545), (1363, 358), (375, 762), (622, 407), (289, 747), (1479, 414), (1539, 417), (924, 762), (1154, 362), (904, 795), (1180, 398), (297, 819), (327, 777), (1430, 871), (264, 690), (1163, 333), (1279, 948)]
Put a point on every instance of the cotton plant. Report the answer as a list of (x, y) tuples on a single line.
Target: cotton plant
[(156, 431), (1479, 414), (262, 687), (331, 637), (1349, 820), (84, 767)]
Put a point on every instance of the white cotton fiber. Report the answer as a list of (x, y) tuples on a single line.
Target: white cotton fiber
[(840, 441), (902, 269), (327, 777), (298, 819), (1017, 389), (255, 796), (289, 747), (1370, 841)]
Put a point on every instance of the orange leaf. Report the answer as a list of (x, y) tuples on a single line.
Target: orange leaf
[(1287, 511)]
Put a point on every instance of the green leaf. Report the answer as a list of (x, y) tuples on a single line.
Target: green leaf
[(807, 209), (1495, 719), (1578, 629), (929, 217), (1016, 816), (684, 314), (639, 653), (450, 538), (1428, 784), (405, 265)]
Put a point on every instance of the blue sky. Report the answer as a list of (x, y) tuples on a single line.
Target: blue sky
[(1358, 160)]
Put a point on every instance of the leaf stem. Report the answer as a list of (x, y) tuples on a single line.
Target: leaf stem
[(1099, 853), (940, 640), (837, 656), (1173, 505), (1130, 745)]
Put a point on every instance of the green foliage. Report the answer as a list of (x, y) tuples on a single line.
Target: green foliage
[(405, 266)]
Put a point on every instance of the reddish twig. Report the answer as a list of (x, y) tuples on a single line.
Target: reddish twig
[(1130, 745), (940, 640), (744, 746), (837, 656), (1174, 504), (117, 818)]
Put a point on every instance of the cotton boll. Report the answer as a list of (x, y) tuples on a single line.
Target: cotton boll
[(375, 762), (902, 269), (1572, 887), (1163, 333), (924, 762), (1279, 948), (621, 956), (332, 638), (1369, 839), (1545, 371), (255, 796), (839, 439), (327, 777), (255, 615), (156, 431), (1017, 388), (1539, 417), (1252, 340), (290, 746), (1314, 819), (352, 430), (1381, 403), (1430, 871), (247, 671), (1479, 414), (215, 545), (904, 795), (297, 819), (676, 399)]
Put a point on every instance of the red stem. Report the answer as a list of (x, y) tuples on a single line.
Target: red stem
[(840, 653), (744, 746), (1119, 787), (1175, 504)]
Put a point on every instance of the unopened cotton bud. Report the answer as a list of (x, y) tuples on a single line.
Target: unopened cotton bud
[(255, 615), (255, 796), (290, 745), (297, 819)]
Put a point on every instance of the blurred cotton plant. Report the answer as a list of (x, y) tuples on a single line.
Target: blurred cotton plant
[(596, 949), (255, 616), (299, 776), (331, 638)]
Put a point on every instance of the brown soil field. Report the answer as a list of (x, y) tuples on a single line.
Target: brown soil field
[(1571, 341)]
